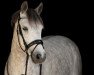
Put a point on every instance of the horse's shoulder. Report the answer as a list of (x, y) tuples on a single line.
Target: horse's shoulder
[(56, 38), (64, 41)]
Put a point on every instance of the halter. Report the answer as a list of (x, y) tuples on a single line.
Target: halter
[(27, 46)]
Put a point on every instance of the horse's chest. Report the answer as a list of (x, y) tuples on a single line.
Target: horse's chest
[(17, 66)]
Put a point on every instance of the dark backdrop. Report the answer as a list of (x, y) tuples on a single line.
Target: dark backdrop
[(67, 18)]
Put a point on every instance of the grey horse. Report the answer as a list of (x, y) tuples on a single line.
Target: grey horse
[(31, 55)]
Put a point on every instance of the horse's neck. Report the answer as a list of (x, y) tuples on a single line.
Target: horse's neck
[(15, 45)]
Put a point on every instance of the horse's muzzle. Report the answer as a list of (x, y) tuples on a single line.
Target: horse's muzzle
[(38, 57)]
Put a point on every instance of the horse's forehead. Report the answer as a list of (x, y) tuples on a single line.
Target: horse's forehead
[(33, 16)]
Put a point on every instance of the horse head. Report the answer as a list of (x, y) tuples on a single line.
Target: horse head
[(29, 25)]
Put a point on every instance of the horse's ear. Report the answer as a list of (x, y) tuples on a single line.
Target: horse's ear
[(39, 8), (24, 7)]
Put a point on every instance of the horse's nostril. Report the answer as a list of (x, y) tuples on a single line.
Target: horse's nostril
[(38, 56)]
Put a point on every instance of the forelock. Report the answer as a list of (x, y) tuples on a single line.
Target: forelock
[(31, 15)]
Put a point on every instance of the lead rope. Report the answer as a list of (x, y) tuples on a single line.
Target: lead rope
[(40, 65), (27, 57)]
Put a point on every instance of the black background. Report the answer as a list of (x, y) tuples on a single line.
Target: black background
[(67, 18)]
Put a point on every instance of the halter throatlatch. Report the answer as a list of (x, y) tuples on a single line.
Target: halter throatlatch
[(27, 46)]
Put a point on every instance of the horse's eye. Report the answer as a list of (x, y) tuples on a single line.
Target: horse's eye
[(25, 28)]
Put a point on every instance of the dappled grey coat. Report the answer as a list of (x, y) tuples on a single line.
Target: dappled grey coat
[(63, 57)]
